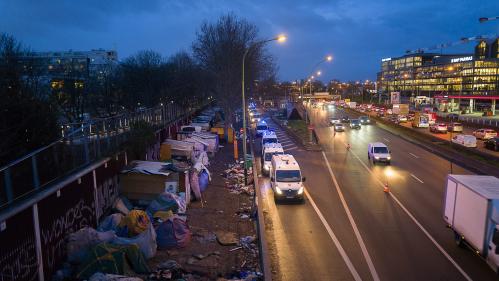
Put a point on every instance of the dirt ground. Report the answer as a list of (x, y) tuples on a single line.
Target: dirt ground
[(221, 212)]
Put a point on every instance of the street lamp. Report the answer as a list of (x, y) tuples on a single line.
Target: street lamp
[(280, 38)]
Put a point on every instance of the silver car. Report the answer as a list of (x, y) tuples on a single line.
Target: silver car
[(455, 127)]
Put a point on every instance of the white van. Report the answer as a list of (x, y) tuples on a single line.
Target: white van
[(261, 127), (378, 152), (268, 137), (465, 140), (269, 150), (285, 177)]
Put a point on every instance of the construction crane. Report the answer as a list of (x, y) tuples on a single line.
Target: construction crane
[(463, 40)]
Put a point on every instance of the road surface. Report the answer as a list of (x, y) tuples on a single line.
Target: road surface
[(349, 229)]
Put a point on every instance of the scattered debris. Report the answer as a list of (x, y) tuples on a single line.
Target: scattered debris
[(227, 238)]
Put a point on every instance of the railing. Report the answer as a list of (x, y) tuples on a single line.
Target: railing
[(490, 122), (77, 148)]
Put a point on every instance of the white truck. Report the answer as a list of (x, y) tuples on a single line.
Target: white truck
[(285, 178), (269, 150), (471, 210)]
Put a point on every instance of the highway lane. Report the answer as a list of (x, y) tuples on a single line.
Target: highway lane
[(303, 248), (400, 249)]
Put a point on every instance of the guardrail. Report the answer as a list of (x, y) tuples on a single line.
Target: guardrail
[(75, 150), (490, 122)]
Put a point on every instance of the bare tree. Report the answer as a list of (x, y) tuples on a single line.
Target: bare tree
[(219, 48)]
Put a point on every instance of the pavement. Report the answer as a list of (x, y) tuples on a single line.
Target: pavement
[(349, 229)]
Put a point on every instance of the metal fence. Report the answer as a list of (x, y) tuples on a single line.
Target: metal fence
[(80, 145)]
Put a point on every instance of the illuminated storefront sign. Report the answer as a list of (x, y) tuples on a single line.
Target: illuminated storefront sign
[(461, 59)]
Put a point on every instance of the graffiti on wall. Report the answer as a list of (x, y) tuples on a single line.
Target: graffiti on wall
[(17, 248), (62, 213)]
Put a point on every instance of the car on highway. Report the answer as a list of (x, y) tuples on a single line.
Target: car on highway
[(339, 127), (453, 116), (378, 152), (355, 124), (410, 116), (465, 140), (485, 134), (492, 144), (345, 119), (285, 178), (365, 120), (381, 113), (269, 150), (438, 128), (333, 121), (256, 117), (261, 127), (455, 127)]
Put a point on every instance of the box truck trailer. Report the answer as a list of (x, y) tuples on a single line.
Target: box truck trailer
[(471, 211)]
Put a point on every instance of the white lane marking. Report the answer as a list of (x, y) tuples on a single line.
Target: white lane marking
[(387, 140), (414, 155), (416, 178), (286, 141), (440, 248), (336, 242), (290, 148), (363, 247)]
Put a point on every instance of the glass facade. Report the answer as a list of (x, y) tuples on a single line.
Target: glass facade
[(466, 75)]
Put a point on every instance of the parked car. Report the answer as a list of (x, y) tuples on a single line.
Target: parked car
[(492, 144), (465, 140), (485, 134), (355, 124), (338, 127), (335, 121), (438, 128), (455, 127), (402, 119)]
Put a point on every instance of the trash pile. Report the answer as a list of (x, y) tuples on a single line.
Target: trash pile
[(234, 177)]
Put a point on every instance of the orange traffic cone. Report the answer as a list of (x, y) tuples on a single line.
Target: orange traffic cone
[(385, 188)]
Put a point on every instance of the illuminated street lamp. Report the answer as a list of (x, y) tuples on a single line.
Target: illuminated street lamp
[(280, 39)]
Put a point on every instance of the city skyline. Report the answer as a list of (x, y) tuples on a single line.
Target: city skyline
[(357, 34)]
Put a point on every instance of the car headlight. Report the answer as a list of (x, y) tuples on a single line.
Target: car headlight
[(278, 190), (300, 191), (266, 167), (389, 157), (376, 157)]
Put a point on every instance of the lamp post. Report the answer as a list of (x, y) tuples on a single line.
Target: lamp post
[(280, 38)]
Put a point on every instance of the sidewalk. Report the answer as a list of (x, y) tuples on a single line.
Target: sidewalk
[(223, 216)]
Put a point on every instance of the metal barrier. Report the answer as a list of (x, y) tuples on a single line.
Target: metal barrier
[(80, 145)]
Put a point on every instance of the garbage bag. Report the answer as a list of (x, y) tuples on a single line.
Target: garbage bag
[(115, 259), (111, 222), (146, 241), (79, 242), (203, 180), (136, 222), (166, 201), (173, 233)]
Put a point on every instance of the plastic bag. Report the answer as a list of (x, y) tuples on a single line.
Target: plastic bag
[(146, 241), (173, 233), (166, 201), (203, 180), (79, 242), (136, 222)]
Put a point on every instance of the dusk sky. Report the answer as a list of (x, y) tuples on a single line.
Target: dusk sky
[(357, 33)]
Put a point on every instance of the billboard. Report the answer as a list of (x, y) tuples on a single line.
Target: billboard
[(394, 97)]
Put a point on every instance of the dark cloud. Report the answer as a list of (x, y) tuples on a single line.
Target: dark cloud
[(357, 33)]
